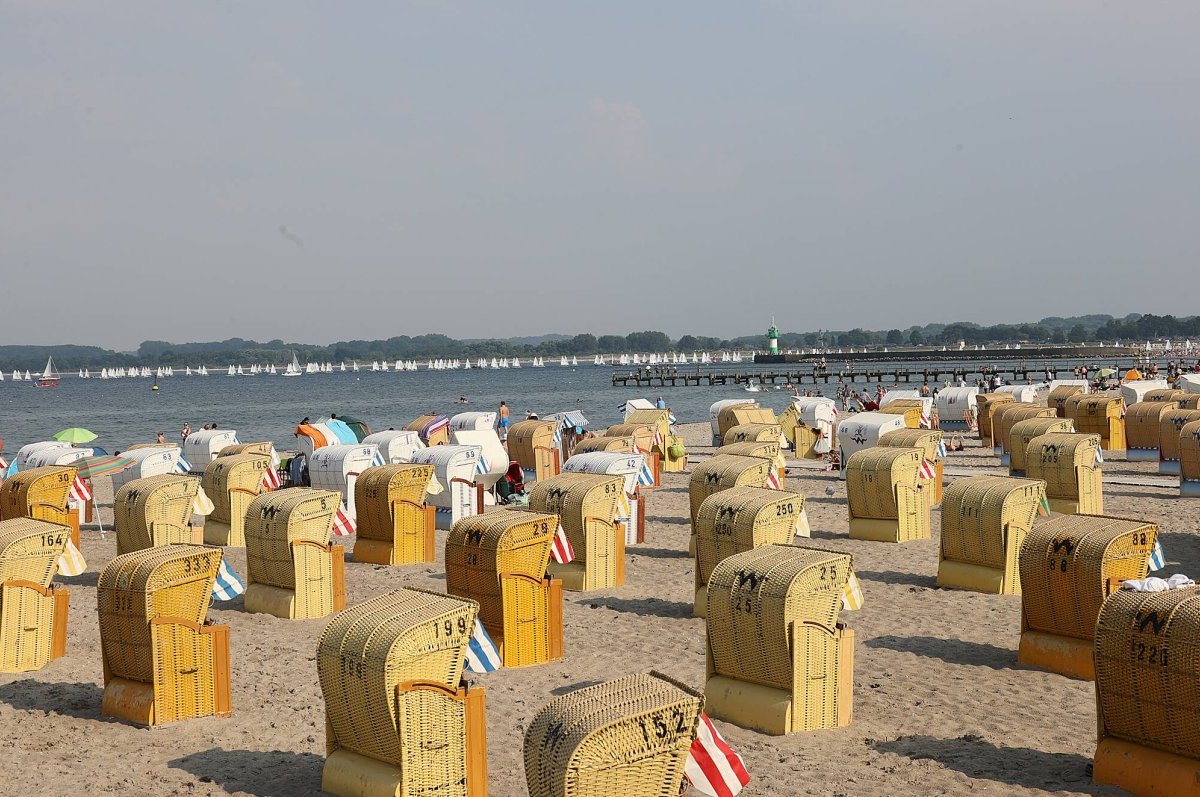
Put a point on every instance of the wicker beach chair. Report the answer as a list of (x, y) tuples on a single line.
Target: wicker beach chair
[(886, 498), (1057, 398), (617, 445), (629, 737), (1163, 394), (1100, 414), (985, 520), (532, 444), (399, 722), (1189, 460), (753, 433), (231, 483), (156, 510), (1068, 566), (394, 525), (930, 443), (779, 662), (721, 472), (431, 430), (162, 660), (499, 559), (1147, 706), (740, 414), (264, 448), (671, 455), (985, 407), (41, 494), (1143, 426), (293, 570), (33, 612), (911, 411), (1069, 464), (586, 505), (1008, 415), (766, 449), (1024, 431), (642, 434), (740, 519), (1170, 428)]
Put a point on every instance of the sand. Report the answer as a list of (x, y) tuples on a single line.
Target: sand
[(940, 706)]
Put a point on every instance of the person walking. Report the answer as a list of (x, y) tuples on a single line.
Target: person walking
[(504, 422), (185, 432)]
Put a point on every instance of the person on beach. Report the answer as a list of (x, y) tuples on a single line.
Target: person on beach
[(162, 438), (504, 421), (661, 403), (185, 432)]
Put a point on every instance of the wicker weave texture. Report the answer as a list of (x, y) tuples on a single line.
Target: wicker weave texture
[(29, 551), (288, 548), (392, 517), (877, 477), (985, 406), (659, 420), (766, 449), (721, 472), (910, 411), (1009, 415), (39, 493), (985, 520), (1170, 426), (1070, 564), (1101, 414), (753, 433), (526, 437), (154, 510), (439, 438), (740, 519), (586, 505), (1059, 395), (1068, 463), (618, 445), (628, 737), (641, 434), (1024, 431), (231, 483), (739, 414), (1189, 452), (1143, 423), (929, 441)]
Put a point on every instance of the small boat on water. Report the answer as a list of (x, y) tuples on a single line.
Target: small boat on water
[(48, 379), (293, 368)]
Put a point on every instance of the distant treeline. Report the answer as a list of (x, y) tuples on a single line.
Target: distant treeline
[(236, 351)]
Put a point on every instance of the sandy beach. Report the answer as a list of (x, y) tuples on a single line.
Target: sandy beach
[(940, 706)]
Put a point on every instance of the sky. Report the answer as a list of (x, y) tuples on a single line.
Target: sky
[(318, 171)]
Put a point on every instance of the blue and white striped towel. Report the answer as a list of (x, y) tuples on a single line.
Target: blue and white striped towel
[(183, 466), (645, 475), (227, 586), (942, 449), (481, 466), (1158, 559), (1099, 457), (558, 436), (377, 460), (482, 655)]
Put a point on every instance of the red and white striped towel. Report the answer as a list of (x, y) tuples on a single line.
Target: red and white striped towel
[(712, 767)]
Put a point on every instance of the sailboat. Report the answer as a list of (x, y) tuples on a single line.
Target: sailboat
[(48, 379), (293, 368)]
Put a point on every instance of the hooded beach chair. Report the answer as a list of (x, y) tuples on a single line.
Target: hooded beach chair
[(1024, 431), (395, 526), (41, 494), (231, 483), (886, 498), (586, 505), (1070, 465), (985, 520), (33, 612), (156, 510)]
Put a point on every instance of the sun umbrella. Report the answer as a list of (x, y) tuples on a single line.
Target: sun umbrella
[(91, 467), (75, 435), (1103, 372)]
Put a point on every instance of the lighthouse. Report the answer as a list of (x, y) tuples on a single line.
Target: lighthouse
[(773, 338)]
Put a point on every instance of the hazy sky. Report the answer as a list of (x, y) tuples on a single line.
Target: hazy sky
[(320, 171)]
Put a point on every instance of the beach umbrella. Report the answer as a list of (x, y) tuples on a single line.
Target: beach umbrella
[(75, 435), (1103, 372), (360, 428), (104, 465)]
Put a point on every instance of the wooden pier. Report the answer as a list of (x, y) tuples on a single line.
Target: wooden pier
[(685, 376)]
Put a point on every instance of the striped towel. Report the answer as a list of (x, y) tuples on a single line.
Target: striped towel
[(202, 504), (928, 471), (481, 466), (1099, 458), (1158, 560), (271, 480), (852, 597), (343, 524), (482, 655), (1043, 507), (377, 460), (712, 766), (657, 442), (183, 467), (561, 550), (71, 561), (942, 449), (227, 586), (646, 475), (80, 491)]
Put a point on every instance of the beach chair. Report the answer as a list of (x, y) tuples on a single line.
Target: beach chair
[(1189, 460), (533, 443), (929, 441), (399, 720), (985, 406), (1159, 395), (263, 448), (631, 510), (1024, 431), (156, 510), (910, 411), (1069, 464), (808, 423), (985, 520), (586, 505), (885, 495), (434, 430), (1170, 429), (778, 660), (1068, 566), (1143, 426), (293, 569), (720, 472), (41, 494), (740, 414), (754, 433), (232, 483), (1100, 414), (666, 453), (163, 661), (1057, 398), (737, 520), (395, 526), (33, 612), (615, 445), (499, 559), (767, 449), (1008, 415), (628, 738), (1147, 705)]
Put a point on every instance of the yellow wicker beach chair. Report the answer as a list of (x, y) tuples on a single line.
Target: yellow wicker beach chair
[(1024, 431), (778, 660), (1009, 415), (156, 510), (1163, 394), (642, 434), (33, 612), (740, 519), (162, 660), (1101, 414), (293, 570), (671, 455), (265, 448), (1190, 401), (1147, 704), (439, 437), (399, 721), (1170, 428), (41, 494), (617, 445), (1069, 464), (985, 520), (1143, 425), (1189, 460), (624, 738), (499, 559), (911, 411), (1069, 565), (767, 449), (740, 414), (1057, 399), (985, 407), (231, 483), (929, 441), (586, 505), (394, 525), (804, 441), (532, 444), (886, 499), (754, 433), (719, 473)]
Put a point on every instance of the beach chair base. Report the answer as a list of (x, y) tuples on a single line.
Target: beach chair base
[(1189, 489), (977, 578), (217, 533), (1067, 656), (1063, 506), (529, 648), (1169, 467), (700, 604), (1144, 771), (33, 625), (774, 711), (382, 552), (878, 530), (1142, 455), (574, 576)]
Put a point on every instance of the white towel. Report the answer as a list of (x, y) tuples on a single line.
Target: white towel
[(1179, 581), (1151, 584)]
